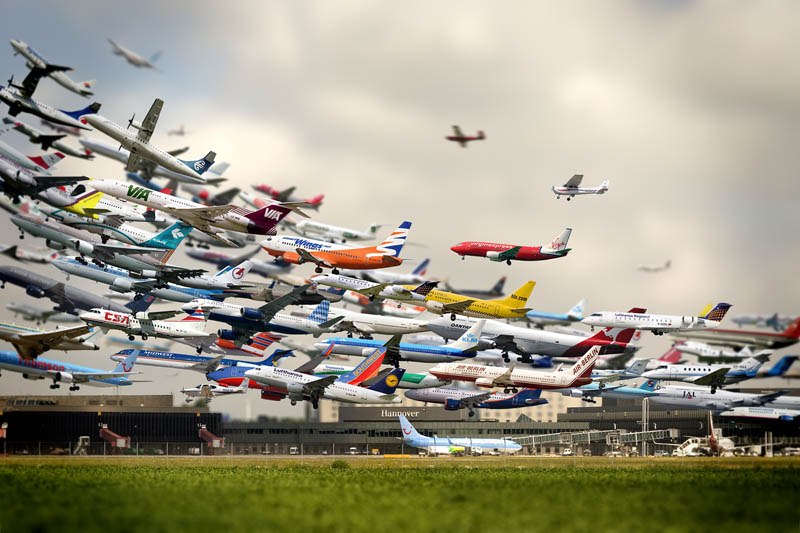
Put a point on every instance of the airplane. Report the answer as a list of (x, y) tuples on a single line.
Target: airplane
[(541, 319), (740, 338), (408, 381), (208, 391), (573, 187), (384, 308), (706, 352), (658, 324), (455, 399), (83, 88), (178, 131), (148, 324), (774, 321), (19, 99), (699, 397), (40, 164), (45, 140), (508, 252), (464, 348), (32, 342), (655, 268), (334, 256), (374, 290), (287, 195), (331, 233), (198, 363), (139, 146), (527, 341), (209, 220), (459, 137), (588, 393), (92, 204), (60, 371), (38, 315), (634, 370), (445, 445), (26, 256), (367, 325), (513, 378), (267, 269), (299, 386), (713, 375), (389, 276), (69, 299), (496, 290), (762, 413), (513, 306), (147, 170), (133, 58), (16, 180), (69, 130)]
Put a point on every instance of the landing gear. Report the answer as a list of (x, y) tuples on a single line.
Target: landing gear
[(558, 197), (199, 350), (318, 270), (293, 402), (569, 198), (506, 358), (131, 338), (508, 262), (315, 403), (74, 388), (471, 413), (335, 271), (249, 341), (350, 334), (452, 316), (138, 296), (55, 386), (21, 235), (98, 263), (463, 257), (144, 337)]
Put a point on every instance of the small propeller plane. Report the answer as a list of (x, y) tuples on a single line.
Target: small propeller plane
[(459, 137), (573, 187)]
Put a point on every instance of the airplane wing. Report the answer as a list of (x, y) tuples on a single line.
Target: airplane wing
[(208, 366), (714, 379), (374, 290), (457, 131), (65, 333), (31, 81), (316, 388), (150, 120), (45, 182), (134, 162), (574, 181), (161, 315), (457, 307), (58, 294), (193, 214), (178, 151), (506, 343), (511, 253), (109, 251), (766, 398), (269, 310), (307, 256), (285, 194), (82, 377), (473, 401), (505, 378)]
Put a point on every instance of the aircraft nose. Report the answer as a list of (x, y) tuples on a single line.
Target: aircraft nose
[(397, 399), (457, 247)]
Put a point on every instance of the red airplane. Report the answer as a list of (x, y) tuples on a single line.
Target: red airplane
[(507, 252), (459, 137), (287, 195)]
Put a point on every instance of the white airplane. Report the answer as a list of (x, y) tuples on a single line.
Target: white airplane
[(766, 413), (230, 277), (209, 220), (375, 290), (367, 325), (83, 88), (209, 391), (88, 203), (329, 232), (16, 180), (706, 351), (658, 324), (712, 375), (46, 140), (573, 188), (697, 397), (39, 164), (138, 143), (178, 131), (38, 315), (148, 324), (19, 99), (655, 268), (387, 275), (32, 342), (133, 58), (26, 256), (514, 378)]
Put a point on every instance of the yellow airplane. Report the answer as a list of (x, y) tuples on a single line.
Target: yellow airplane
[(513, 306), (90, 203)]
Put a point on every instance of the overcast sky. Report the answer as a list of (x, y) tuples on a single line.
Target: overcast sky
[(689, 109)]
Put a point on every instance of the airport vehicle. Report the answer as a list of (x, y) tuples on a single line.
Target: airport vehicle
[(513, 378), (19, 99), (32, 342), (390, 276), (658, 324), (459, 137), (69, 299), (454, 399), (464, 348), (573, 188), (496, 290), (655, 268), (541, 319), (367, 325), (713, 375), (445, 445), (209, 391), (148, 324), (331, 233), (299, 250), (59, 371), (287, 195), (46, 140), (222, 259), (35, 60), (27, 256), (374, 290), (209, 220), (513, 306), (509, 252), (139, 146), (133, 58), (38, 315), (740, 338)]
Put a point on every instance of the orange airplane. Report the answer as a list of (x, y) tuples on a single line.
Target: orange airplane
[(299, 250)]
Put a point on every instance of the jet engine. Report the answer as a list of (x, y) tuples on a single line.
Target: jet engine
[(32, 377), (251, 314), (492, 255), (484, 382), (226, 334), (36, 292), (451, 404), (55, 245), (66, 377), (121, 285), (435, 307), (83, 247)]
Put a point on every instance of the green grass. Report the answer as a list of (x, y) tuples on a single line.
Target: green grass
[(217, 494)]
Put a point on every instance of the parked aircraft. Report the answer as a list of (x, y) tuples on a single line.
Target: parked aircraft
[(445, 445), (459, 398), (31, 342), (139, 143), (541, 319), (83, 88), (658, 324), (133, 58), (287, 195), (737, 337), (334, 256), (208, 391), (38, 315), (496, 290), (697, 397), (655, 268), (148, 324), (45, 140), (60, 371), (573, 188), (508, 252), (331, 233), (459, 137)]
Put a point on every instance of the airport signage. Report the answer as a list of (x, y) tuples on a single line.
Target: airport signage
[(379, 414)]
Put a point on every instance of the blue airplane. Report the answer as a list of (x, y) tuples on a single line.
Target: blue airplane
[(460, 398), (200, 363), (781, 367), (589, 392), (541, 319), (60, 371), (445, 445)]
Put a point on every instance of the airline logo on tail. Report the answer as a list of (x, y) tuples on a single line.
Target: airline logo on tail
[(718, 313), (394, 243)]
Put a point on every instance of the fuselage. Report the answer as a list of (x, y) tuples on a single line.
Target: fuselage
[(483, 376), (657, 323), (42, 368), (337, 255), (422, 353), (16, 101), (492, 250), (36, 60), (498, 400), (105, 319)]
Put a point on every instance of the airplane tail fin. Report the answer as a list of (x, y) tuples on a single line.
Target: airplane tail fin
[(140, 305), (671, 356), (156, 56), (235, 274), (320, 312), (276, 356), (421, 268), (244, 385), (200, 165), (394, 242), (782, 366), (220, 168), (498, 287), (425, 287), (316, 201), (366, 369), (171, 237), (718, 313), (471, 338), (126, 365), (481, 134), (637, 367), (47, 161), (559, 244), (649, 385), (603, 186), (583, 368), (519, 298), (268, 217), (389, 383), (793, 331), (197, 318), (408, 430), (577, 310), (88, 110)]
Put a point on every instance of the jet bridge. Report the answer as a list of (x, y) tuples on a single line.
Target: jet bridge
[(587, 437)]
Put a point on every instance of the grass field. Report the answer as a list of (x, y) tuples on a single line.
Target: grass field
[(374, 494)]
